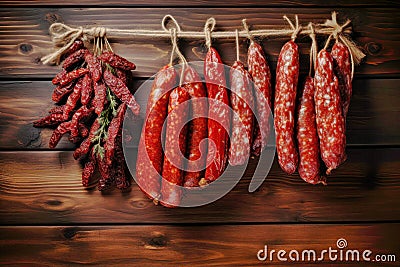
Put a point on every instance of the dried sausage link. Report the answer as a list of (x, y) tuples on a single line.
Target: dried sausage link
[(342, 66), (307, 137), (261, 75), (150, 152), (119, 88), (287, 74), (214, 75), (242, 101), (172, 171), (329, 113), (197, 128), (114, 129), (116, 61)]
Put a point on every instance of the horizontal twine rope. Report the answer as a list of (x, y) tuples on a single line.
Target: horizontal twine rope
[(64, 35)]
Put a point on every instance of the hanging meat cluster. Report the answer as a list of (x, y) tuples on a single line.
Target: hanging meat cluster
[(92, 97), (317, 130), (307, 130), (161, 173), (168, 99)]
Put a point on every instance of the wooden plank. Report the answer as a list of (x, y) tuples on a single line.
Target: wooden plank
[(374, 116), (45, 188), (193, 245), (199, 3), (24, 35)]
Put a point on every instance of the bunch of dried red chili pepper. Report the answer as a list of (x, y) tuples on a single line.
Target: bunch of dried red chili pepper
[(92, 96)]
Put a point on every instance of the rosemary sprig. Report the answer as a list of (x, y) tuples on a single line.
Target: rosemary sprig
[(107, 114), (104, 120)]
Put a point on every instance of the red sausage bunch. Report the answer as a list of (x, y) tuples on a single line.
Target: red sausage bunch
[(160, 173), (92, 96), (321, 112), (92, 93), (168, 99), (315, 130)]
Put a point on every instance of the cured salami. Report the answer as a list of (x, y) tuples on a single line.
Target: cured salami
[(287, 74), (329, 113), (150, 152), (307, 137), (172, 171), (342, 67), (261, 75), (242, 102), (197, 128), (218, 114)]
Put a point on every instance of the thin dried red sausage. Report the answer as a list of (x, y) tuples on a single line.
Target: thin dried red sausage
[(73, 99), (74, 58), (61, 92), (100, 97), (106, 178), (116, 61), (50, 120), (94, 66), (114, 129), (79, 115), (78, 44), (62, 129), (86, 145), (59, 77), (73, 75), (119, 88), (87, 89), (121, 180)]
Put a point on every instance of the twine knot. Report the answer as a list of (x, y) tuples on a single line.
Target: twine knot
[(337, 29), (313, 49), (165, 22), (174, 40), (208, 28), (61, 35), (99, 32), (296, 29), (338, 33), (247, 29)]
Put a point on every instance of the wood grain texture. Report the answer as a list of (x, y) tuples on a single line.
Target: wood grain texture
[(200, 3), (24, 35), (48, 219), (374, 117), (189, 245), (45, 188)]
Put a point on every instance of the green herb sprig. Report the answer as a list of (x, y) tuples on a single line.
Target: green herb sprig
[(104, 120)]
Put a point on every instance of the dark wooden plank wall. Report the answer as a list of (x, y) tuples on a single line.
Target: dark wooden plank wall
[(188, 245), (25, 38), (202, 3), (47, 218)]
